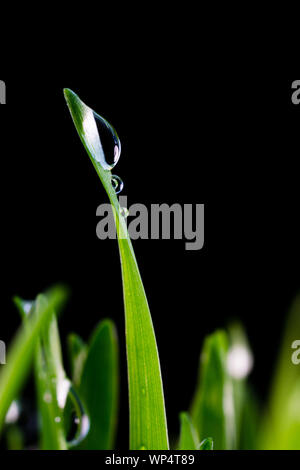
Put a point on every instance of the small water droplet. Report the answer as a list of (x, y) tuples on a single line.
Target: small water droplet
[(143, 448), (57, 419), (110, 142), (143, 391), (117, 183), (124, 212), (47, 397)]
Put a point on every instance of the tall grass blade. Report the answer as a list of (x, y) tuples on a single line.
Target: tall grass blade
[(213, 407), (148, 425)]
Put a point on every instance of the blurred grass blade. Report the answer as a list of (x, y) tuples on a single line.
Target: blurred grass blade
[(78, 352), (239, 366), (213, 408), (52, 385), (281, 427), (207, 444), (148, 425), (51, 382), (99, 387), (21, 352), (14, 438), (189, 439)]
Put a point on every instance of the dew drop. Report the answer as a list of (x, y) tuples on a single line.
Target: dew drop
[(81, 419), (143, 448), (109, 143), (117, 183), (57, 419), (47, 397), (124, 212)]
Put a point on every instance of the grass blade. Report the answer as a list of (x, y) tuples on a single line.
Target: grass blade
[(50, 378), (22, 350), (207, 444), (213, 408), (189, 439), (78, 352), (281, 428), (99, 387), (148, 425)]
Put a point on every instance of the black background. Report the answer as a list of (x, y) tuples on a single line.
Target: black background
[(229, 141)]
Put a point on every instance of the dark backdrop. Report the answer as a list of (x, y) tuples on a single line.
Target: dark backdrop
[(229, 142)]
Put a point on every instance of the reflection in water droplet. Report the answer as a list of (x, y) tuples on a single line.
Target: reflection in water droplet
[(124, 212), (117, 183), (110, 145)]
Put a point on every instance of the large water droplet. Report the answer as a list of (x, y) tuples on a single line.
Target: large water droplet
[(109, 143), (81, 419), (117, 183)]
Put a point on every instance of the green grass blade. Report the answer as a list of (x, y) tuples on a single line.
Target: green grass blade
[(239, 365), (207, 444), (78, 352), (99, 387), (21, 352), (52, 385), (281, 428), (50, 378), (213, 408), (189, 439), (148, 425)]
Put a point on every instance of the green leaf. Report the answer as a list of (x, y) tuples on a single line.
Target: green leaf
[(99, 387), (78, 352), (20, 355), (189, 439), (213, 407), (148, 425), (207, 444)]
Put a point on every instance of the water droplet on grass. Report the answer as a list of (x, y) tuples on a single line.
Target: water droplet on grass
[(81, 419), (110, 145), (117, 183), (124, 212)]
